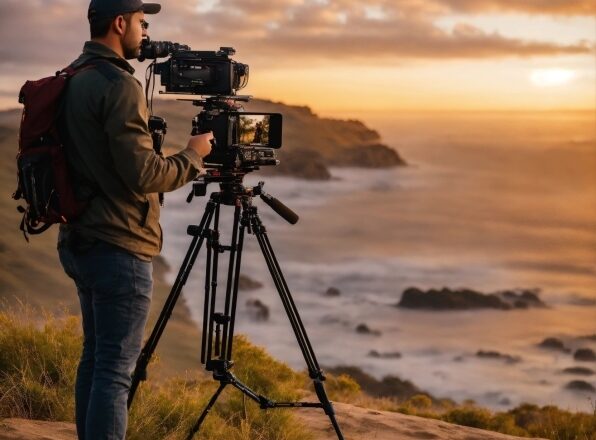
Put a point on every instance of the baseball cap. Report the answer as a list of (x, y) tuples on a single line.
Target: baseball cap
[(112, 8)]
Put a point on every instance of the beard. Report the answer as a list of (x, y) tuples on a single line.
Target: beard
[(131, 52), (131, 47)]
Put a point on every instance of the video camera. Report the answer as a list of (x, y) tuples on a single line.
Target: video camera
[(243, 141)]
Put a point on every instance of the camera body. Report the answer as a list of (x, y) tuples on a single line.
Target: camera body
[(202, 72), (243, 141)]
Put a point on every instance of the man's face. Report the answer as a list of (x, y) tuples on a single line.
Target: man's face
[(135, 31)]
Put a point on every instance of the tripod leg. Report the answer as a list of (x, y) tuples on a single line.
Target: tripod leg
[(285, 295), (232, 284), (210, 288), (206, 411), (140, 372), (292, 311)]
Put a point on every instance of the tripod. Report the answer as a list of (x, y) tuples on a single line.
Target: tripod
[(218, 327)]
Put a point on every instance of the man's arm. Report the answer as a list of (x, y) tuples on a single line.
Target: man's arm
[(131, 146)]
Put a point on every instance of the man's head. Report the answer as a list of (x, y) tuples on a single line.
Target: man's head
[(120, 24)]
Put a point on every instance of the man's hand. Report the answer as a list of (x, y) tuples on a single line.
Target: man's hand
[(201, 143)]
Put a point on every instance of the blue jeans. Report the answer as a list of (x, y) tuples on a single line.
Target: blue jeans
[(114, 289)]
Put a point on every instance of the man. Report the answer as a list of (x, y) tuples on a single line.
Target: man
[(107, 251)]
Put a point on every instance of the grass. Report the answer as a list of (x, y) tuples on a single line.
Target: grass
[(39, 355), (38, 367)]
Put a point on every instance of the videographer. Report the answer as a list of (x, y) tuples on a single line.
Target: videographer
[(107, 251)]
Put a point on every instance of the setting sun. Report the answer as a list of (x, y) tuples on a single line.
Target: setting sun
[(551, 77)]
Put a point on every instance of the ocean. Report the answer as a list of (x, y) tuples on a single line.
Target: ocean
[(488, 201)]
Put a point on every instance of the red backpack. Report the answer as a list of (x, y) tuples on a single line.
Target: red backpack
[(43, 178)]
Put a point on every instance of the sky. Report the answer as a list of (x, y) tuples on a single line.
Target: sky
[(350, 56)]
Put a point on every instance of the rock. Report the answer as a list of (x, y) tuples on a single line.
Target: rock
[(447, 299), (365, 330), (589, 337), (387, 355), (519, 304), (463, 299), (496, 355), (257, 309), (332, 291), (303, 163), (584, 354), (522, 298), (389, 386), (24, 429), (505, 401), (554, 344), (580, 385), (369, 156), (580, 371), (247, 283)]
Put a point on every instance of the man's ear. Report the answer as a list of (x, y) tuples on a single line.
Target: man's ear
[(119, 25)]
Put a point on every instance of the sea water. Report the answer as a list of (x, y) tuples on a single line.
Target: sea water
[(488, 202)]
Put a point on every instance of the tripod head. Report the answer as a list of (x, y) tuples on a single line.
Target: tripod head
[(232, 192)]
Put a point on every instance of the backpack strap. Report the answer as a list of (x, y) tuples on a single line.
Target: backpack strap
[(105, 66), (108, 70), (27, 226)]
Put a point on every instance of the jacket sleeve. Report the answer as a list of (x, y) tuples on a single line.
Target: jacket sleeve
[(131, 146)]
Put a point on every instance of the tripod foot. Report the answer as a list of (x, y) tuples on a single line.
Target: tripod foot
[(327, 406)]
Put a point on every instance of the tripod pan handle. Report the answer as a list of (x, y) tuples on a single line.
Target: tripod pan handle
[(286, 213)]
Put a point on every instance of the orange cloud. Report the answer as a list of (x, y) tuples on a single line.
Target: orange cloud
[(551, 7)]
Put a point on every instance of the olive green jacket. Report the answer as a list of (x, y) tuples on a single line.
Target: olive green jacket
[(110, 152)]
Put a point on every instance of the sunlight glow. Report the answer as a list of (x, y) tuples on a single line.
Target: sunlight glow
[(551, 77)]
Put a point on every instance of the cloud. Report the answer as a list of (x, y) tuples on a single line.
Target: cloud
[(547, 7), (40, 32), (346, 29), (37, 33)]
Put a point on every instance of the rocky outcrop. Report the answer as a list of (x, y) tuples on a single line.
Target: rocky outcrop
[(580, 385), (247, 283), (463, 299), (554, 344), (364, 329), (384, 355), (368, 156), (490, 354), (258, 310), (580, 371), (300, 162), (332, 291), (389, 386), (585, 355)]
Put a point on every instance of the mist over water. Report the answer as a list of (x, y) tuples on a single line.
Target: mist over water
[(489, 202)]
